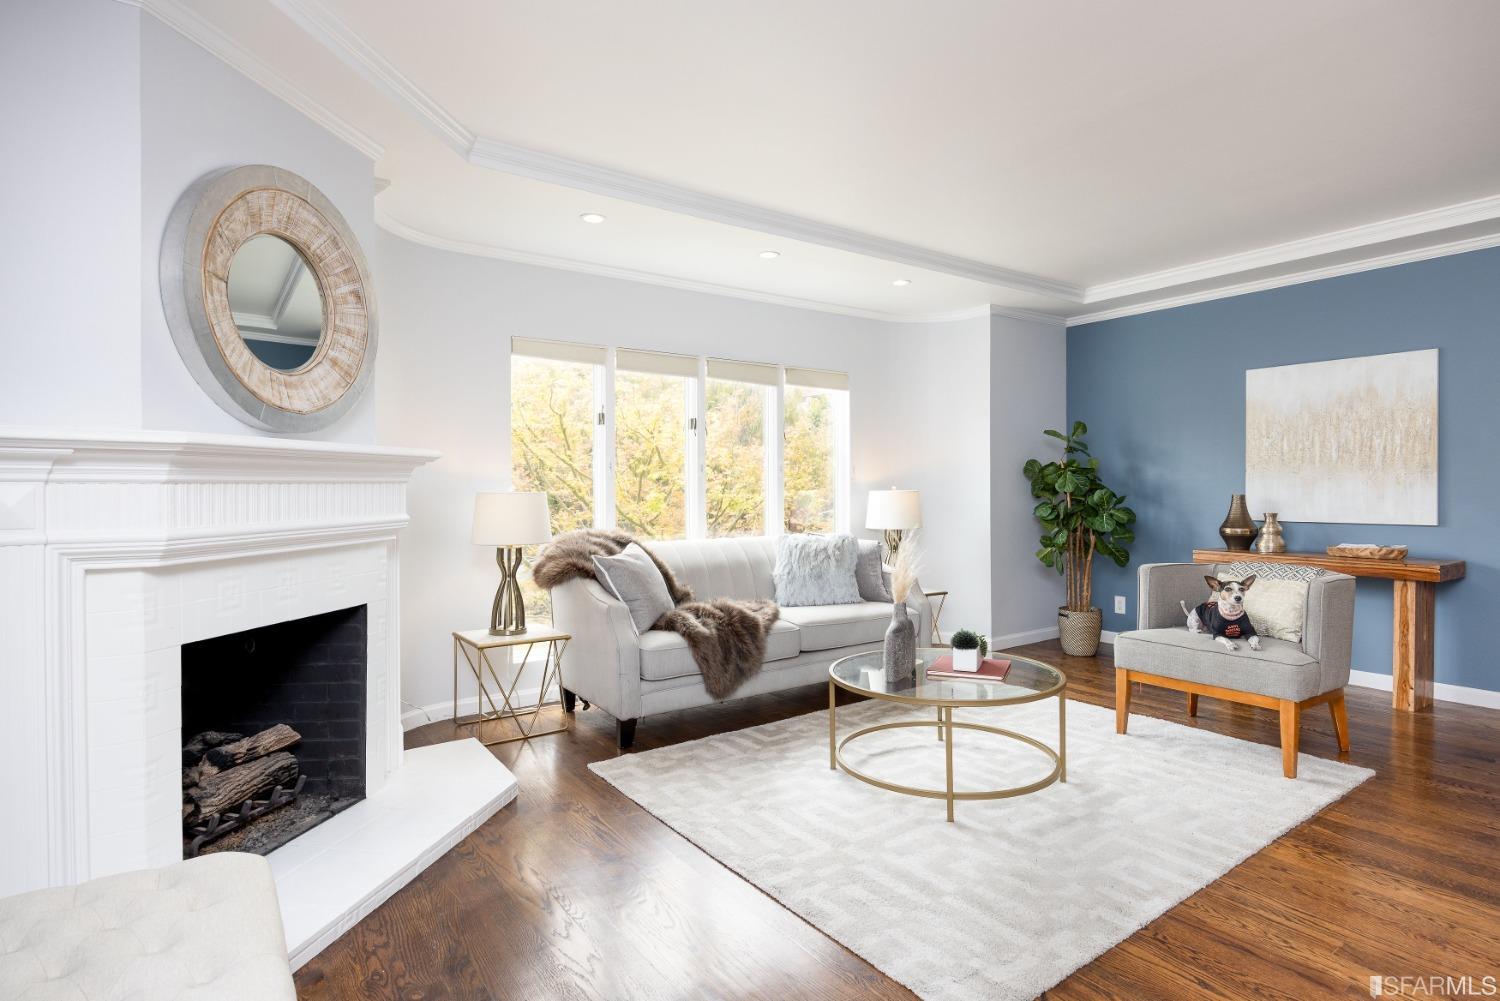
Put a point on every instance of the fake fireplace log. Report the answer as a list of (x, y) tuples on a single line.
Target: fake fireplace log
[(232, 780)]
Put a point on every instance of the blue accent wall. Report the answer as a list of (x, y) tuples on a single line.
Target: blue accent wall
[(1163, 395)]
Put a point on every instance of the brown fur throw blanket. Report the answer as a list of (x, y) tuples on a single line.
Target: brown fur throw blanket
[(726, 637)]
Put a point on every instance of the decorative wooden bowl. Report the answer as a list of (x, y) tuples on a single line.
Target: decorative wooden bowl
[(1392, 553)]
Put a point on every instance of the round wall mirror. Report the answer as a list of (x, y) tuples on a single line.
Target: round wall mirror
[(268, 298), (275, 302)]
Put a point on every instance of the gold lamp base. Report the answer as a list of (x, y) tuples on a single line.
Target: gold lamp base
[(508, 613), (892, 544)]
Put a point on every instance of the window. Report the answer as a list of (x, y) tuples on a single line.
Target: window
[(554, 402), (735, 411), (651, 443), (669, 446), (815, 416)]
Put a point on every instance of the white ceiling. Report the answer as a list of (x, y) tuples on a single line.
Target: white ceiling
[(1064, 158)]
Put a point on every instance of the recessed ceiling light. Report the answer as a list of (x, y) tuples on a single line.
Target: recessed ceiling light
[(592, 217), (901, 282), (770, 255)]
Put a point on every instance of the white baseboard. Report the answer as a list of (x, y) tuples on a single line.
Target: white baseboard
[(1442, 692), (467, 706), (1021, 639), (1107, 637)]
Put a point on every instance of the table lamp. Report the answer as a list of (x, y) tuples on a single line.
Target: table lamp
[(893, 512), (509, 521)]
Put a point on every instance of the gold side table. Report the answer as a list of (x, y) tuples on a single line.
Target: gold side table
[(937, 613), (476, 645)]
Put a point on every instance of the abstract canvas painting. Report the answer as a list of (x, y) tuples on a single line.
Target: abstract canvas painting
[(1353, 440)]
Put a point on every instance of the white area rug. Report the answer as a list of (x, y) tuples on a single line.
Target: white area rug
[(1017, 893)]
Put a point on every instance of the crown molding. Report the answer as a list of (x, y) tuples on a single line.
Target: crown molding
[(348, 46), (1033, 316), (195, 28), (406, 232), (1294, 278), (1339, 241), (523, 162), (351, 49)]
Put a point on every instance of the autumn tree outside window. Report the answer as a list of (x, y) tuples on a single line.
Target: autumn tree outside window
[(667, 446)]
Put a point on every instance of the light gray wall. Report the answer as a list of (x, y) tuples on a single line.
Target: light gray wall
[(70, 183), (197, 115), (444, 381), (1028, 379), (941, 447)]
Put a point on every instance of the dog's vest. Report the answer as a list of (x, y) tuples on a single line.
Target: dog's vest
[(1217, 625)]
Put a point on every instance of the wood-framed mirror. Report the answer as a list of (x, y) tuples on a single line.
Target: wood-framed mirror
[(268, 298)]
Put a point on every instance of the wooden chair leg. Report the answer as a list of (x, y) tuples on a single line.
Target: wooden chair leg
[(1192, 703), (1340, 721), (1122, 698), (1291, 720)]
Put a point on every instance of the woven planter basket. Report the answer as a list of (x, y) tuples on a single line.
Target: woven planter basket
[(1079, 631)]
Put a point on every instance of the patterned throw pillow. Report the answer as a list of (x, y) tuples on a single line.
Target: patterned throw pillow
[(816, 570), (1273, 571), (1277, 601)]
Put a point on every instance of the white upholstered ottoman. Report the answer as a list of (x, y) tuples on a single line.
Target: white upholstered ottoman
[(208, 929)]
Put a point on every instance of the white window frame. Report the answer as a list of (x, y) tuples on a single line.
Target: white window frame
[(696, 451)]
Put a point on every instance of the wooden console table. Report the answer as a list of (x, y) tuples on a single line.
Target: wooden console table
[(1416, 584)]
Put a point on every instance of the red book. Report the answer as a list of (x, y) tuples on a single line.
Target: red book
[(990, 669)]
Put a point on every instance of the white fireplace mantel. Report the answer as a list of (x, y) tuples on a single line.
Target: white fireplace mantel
[(117, 548)]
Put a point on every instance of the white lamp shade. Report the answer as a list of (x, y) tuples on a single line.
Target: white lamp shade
[(898, 509), (511, 519)]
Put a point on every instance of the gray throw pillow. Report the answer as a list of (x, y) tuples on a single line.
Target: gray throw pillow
[(816, 570), (633, 578), (869, 573)]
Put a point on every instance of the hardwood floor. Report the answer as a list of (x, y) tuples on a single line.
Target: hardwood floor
[(575, 892)]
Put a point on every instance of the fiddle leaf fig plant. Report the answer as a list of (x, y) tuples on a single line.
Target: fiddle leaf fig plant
[(1080, 516)]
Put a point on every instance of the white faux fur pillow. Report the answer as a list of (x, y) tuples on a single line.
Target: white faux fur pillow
[(816, 570)]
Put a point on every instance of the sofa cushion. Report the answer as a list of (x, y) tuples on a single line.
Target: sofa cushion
[(828, 627), (1280, 670), (722, 568), (666, 655), (869, 573)]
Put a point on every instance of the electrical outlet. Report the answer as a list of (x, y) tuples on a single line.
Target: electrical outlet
[(1119, 604)]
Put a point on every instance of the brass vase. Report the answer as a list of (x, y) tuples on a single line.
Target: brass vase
[(1238, 529), (1271, 539)]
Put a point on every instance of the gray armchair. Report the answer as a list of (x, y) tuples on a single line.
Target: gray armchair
[(1288, 677)]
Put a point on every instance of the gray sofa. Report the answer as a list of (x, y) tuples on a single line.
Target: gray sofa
[(1288, 677), (632, 676)]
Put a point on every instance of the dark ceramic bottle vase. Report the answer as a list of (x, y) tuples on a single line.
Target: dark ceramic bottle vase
[(1238, 529)]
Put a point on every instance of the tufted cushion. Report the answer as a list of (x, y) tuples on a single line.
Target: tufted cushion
[(204, 930), (722, 568), (828, 627), (666, 655)]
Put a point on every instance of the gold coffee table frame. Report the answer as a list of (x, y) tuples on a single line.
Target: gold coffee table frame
[(946, 727)]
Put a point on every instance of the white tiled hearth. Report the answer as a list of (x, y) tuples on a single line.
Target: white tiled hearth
[(114, 552)]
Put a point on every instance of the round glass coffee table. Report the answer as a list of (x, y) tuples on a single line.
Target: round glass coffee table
[(1027, 681)]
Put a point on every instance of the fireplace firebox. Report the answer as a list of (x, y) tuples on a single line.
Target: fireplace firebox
[(273, 728)]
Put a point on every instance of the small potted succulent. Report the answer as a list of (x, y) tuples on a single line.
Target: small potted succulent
[(969, 648)]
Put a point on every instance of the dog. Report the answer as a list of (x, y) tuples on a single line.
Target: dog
[(1223, 614)]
